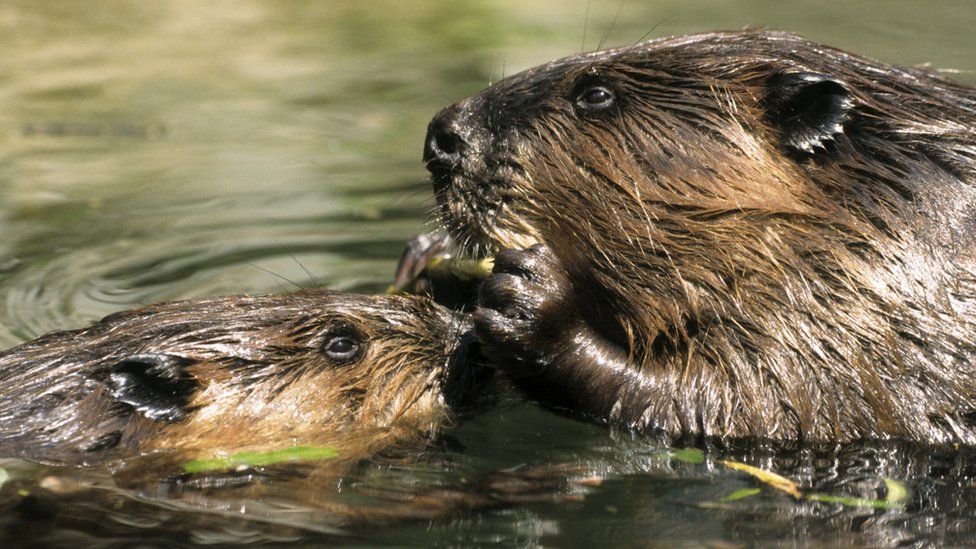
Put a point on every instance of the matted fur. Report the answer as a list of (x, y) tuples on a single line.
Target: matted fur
[(758, 292)]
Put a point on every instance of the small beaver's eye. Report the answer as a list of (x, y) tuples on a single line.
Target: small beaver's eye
[(595, 97), (343, 345)]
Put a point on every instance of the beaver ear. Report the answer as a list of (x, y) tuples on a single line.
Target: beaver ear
[(156, 385), (809, 109)]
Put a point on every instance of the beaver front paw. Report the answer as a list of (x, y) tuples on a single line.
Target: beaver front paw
[(525, 309)]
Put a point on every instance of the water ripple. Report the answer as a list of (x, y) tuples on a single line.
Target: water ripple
[(192, 251)]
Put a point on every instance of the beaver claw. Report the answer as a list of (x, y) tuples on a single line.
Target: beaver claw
[(524, 309)]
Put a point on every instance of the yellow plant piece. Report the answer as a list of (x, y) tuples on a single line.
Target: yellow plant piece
[(772, 480)]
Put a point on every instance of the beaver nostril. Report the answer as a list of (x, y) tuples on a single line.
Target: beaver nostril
[(444, 144), (448, 142)]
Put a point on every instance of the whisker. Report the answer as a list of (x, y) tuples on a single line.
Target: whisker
[(648, 33), (586, 22), (307, 272), (280, 276), (613, 24)]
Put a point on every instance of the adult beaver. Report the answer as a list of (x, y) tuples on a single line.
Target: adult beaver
[(738, 234), (199, 379)]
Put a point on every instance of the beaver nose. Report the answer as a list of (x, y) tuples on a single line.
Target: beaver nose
[(442, 150)]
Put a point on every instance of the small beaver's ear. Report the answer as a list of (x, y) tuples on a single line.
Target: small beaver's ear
[(156, 385), (809, 109)]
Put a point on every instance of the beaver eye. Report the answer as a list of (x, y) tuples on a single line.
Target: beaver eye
[(343, 345), (596, 97)]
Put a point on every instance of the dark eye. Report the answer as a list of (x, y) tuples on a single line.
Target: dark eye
[(595, 97), (343, 345)]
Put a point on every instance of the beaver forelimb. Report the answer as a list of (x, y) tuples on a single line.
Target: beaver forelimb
[(528, 319)]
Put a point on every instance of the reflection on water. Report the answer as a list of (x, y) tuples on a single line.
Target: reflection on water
[(161, 150)]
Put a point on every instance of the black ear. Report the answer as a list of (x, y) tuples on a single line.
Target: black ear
[(157, 386), (809, 109)]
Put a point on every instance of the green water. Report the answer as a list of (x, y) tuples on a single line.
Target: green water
[(161, 150)]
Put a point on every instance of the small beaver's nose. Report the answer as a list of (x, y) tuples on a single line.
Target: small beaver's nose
[(442, 151)]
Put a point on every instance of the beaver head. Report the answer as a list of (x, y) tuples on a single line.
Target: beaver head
[(780, 233), (709, 124), (236, 373)]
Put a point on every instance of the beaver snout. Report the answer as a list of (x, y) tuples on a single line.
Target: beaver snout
[(442, 149)]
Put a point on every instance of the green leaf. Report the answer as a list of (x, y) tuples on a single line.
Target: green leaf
[(855, 502), (897, 492), (741, 494), (687, 455), (257, 459), (4, 476)]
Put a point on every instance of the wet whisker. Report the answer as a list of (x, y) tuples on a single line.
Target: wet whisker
[(277, 275)]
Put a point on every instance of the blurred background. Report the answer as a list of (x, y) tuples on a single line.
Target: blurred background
[(162, 150)]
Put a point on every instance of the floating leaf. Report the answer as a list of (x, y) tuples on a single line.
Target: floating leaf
[(897, 492), (687, 455), (714, 506), (741, 494), (257, 459), (848, 501), (773, 480)]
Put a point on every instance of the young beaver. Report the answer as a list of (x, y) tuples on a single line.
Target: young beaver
[(738, 234), (198, 379)]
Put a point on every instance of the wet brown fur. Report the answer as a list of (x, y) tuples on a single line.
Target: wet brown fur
[(261, 380), (761, 293)]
